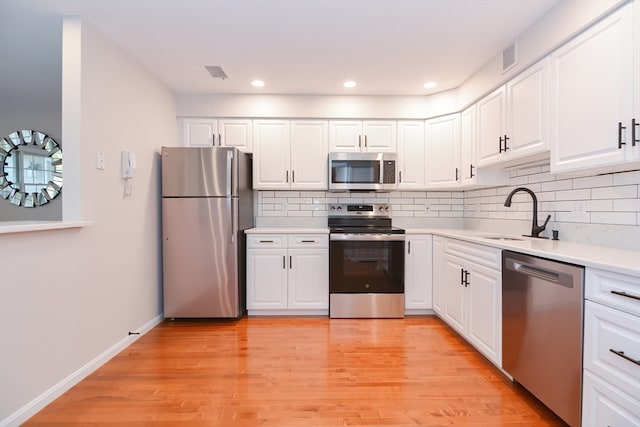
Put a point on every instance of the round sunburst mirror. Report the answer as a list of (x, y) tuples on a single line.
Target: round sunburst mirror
[(30, 168)]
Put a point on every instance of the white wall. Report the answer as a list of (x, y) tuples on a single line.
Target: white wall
[(69, 296)]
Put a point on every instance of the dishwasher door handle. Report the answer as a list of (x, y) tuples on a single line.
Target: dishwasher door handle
[(552, 276)]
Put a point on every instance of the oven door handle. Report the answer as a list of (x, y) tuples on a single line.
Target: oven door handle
[(367, 237)]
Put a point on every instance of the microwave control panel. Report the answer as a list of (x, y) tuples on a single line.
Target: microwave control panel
[(389, 172)]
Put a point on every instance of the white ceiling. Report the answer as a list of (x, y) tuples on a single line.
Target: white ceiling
[(390, 47)]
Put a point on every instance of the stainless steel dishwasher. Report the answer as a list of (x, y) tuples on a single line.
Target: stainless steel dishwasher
[(542, 304)]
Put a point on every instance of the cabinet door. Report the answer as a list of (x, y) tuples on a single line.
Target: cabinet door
[(308, 278), (198, 132), (379, 136), (418, 283), (454, 296), (271, 142), (468, 165), (439, 275), (266, 279), (491, 127), (235, 133), (442, 151), (484, 328), (309, 149), (411, 152), (591, 91), (345, 136), (528, 111)]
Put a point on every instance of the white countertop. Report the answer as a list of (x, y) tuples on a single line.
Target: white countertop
[(286, 230), (617, 260)]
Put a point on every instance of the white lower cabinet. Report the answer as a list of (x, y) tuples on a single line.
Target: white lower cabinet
[(611, 380), (438, 274), (469, 297), (287, 274), (417, 274)]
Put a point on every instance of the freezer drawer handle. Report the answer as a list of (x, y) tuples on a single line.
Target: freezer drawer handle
[(624, 294), (624, 356)]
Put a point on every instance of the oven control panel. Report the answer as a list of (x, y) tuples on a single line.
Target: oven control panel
[(365, 210)]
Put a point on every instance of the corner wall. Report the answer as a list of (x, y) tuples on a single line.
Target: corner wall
[(71, 296)]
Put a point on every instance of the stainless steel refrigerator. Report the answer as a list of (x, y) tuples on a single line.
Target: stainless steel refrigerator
[(207, 203)]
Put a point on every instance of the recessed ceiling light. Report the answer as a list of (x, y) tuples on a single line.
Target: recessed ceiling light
[(429, 85), (257, 83), (349, 83)]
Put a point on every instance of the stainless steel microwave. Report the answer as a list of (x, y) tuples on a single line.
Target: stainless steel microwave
[(362, 171)]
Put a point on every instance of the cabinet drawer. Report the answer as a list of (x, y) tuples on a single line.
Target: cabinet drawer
[(266, 241), (483, 255), (613, 289), (606, 332), (603, 405), (308, 241)]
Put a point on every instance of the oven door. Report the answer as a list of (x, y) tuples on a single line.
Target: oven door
[(366, 263)]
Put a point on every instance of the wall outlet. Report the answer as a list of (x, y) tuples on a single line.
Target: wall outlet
[(580, 210), (100, 160)]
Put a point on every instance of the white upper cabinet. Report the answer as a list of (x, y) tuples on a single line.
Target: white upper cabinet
[(470, 175), (411, 155), (492, 119), (290, 154), (271, 154), (592, 97), (210, 132), (442, 155), (362, 136), (309, 151), (514, 119)]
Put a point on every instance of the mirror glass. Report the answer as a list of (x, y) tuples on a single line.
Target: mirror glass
[(31, 173)]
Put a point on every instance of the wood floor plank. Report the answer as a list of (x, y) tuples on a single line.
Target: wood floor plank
[(305, 371)]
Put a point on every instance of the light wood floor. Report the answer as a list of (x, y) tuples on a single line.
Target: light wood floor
[(297, 372)]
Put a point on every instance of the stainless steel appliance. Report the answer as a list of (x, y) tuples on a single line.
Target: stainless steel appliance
[(542, 312), (366, 262), (362, 171), (207, 202)]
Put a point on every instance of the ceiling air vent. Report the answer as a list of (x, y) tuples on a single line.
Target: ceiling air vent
[(216, 72), (509, 58)]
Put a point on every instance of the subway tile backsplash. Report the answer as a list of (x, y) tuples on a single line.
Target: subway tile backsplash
[(612, 199)]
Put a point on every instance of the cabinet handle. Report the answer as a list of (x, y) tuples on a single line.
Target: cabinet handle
[(365, 141), (359, 140), (620, 128), (506, 138), (409, 247), (466, 278), (624, 294), (284, 261), (219, 140), (456, 174), (462, 276), (471, 170), (399, 176), (308, 241), (293, 176), (624, 356), (290, 262), (266, 241), (500, 143), (287, 176), (633, 132)]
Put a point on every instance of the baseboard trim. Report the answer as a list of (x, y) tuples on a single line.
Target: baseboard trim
[(37, 404)]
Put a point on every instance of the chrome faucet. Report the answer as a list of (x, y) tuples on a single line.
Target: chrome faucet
[(535, 228)]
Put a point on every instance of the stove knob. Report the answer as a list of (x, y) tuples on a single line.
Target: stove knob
[(339, 208), (381, 208), (386, 208), (333, 208)]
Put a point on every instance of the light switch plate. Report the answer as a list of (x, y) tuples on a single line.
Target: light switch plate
[(100, 160)]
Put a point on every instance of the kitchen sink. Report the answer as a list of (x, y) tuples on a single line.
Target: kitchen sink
[(502, 238)]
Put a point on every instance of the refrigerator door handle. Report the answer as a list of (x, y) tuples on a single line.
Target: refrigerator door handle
[(229, 172), (232, 230)]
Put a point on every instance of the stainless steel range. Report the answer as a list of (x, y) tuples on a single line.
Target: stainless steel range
[(366, 262)]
